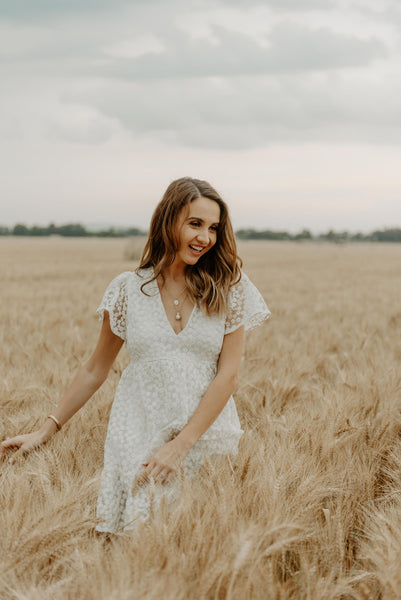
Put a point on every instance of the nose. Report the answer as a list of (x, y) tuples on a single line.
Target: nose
[(203, 236)]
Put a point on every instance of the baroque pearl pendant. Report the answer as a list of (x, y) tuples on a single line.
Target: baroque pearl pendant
[(178, 316)]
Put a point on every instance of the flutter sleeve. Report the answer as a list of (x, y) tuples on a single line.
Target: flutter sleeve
[(246, 306), (115, 301)]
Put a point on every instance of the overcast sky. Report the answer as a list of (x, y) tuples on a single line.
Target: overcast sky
[(290, 108)]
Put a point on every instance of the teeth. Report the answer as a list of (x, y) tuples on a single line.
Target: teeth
[(197, 248)]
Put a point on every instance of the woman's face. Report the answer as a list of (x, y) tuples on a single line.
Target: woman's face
[(197, 226)]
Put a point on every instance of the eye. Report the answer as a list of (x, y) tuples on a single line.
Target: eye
[(195, 223), (214, 227)]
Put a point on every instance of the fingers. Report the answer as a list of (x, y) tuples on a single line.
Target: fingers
[(7, 445), (15, 441), (5, 456), (20, 442), (167, 478), (157, 474)]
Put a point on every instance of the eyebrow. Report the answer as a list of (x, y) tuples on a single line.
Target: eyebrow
[(202, 220)]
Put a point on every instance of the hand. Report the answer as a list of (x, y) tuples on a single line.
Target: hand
[(163, 465), (25, 443)]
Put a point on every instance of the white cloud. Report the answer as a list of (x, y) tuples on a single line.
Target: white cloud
[(214, 112), (291, 48)]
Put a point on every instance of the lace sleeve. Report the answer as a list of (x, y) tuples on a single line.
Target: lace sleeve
[(115, 301), (246, 306)]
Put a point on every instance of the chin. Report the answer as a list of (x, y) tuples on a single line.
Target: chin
[(189, 259), (192, 260)]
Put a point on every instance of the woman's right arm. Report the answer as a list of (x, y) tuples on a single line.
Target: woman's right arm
[(88, 379)]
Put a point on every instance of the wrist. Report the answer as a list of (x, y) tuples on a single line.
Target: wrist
[(48, 429), (186, 440)]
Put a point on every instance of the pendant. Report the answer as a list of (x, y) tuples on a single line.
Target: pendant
[(176, 302), (178, 316)]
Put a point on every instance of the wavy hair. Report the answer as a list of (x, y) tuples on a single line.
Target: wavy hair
[(209, 280)]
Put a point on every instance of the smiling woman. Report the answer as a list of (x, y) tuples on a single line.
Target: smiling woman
[(182, 314)]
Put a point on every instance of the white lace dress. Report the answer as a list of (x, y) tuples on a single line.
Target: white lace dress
[(160, 389)]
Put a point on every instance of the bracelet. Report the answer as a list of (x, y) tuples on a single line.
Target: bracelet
[(57, 422)]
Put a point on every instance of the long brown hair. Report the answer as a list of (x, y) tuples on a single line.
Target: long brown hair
[(209, 280)]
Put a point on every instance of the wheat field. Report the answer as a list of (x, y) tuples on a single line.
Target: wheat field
[(311, 506)]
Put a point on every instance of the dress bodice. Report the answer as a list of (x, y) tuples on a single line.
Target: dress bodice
[(141, 321), (150, 336)]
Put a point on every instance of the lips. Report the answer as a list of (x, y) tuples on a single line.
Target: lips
[(197, 249)]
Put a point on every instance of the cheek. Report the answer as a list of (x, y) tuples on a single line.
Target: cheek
[(185, 236), (213, 239)]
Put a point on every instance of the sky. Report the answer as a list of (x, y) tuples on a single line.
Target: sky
[(289, 108)]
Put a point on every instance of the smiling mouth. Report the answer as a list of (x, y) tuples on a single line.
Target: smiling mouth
[(197, 249)]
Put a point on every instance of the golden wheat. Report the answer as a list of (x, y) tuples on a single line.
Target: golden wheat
[(311, 506)]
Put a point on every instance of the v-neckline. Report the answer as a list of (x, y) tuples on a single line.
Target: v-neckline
[(165, 314)]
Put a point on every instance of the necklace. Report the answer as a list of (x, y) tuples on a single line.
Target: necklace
[(176, 302), (178, 315)]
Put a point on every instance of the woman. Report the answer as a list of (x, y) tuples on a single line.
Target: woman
[(182, 314)]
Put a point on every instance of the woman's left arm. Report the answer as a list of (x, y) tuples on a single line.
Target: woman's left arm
[(164, 462), (219, 391)]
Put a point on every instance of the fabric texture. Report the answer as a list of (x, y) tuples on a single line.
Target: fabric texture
[(161, 388)]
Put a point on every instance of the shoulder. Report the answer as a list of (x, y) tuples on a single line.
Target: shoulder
[(139, 277), (119, 281), (118, 285), (240, 282), (123, 277), (131, 280), (143, 274), (142, 281)]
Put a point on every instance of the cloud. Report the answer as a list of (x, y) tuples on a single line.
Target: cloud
[(146, 72), (163, 53), (236, 93), (295, 47), (216, 113), (291, 47)]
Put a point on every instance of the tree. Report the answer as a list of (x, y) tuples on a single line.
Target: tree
[(20, 229), (304, 235)]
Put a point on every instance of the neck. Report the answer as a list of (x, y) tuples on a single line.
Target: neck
[(175, 272)]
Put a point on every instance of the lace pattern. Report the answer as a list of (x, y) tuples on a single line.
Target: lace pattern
[(115, 301), (246, 306)]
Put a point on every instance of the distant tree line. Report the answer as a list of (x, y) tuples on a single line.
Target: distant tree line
[(77, 230), (384, 235), (69, 230)]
